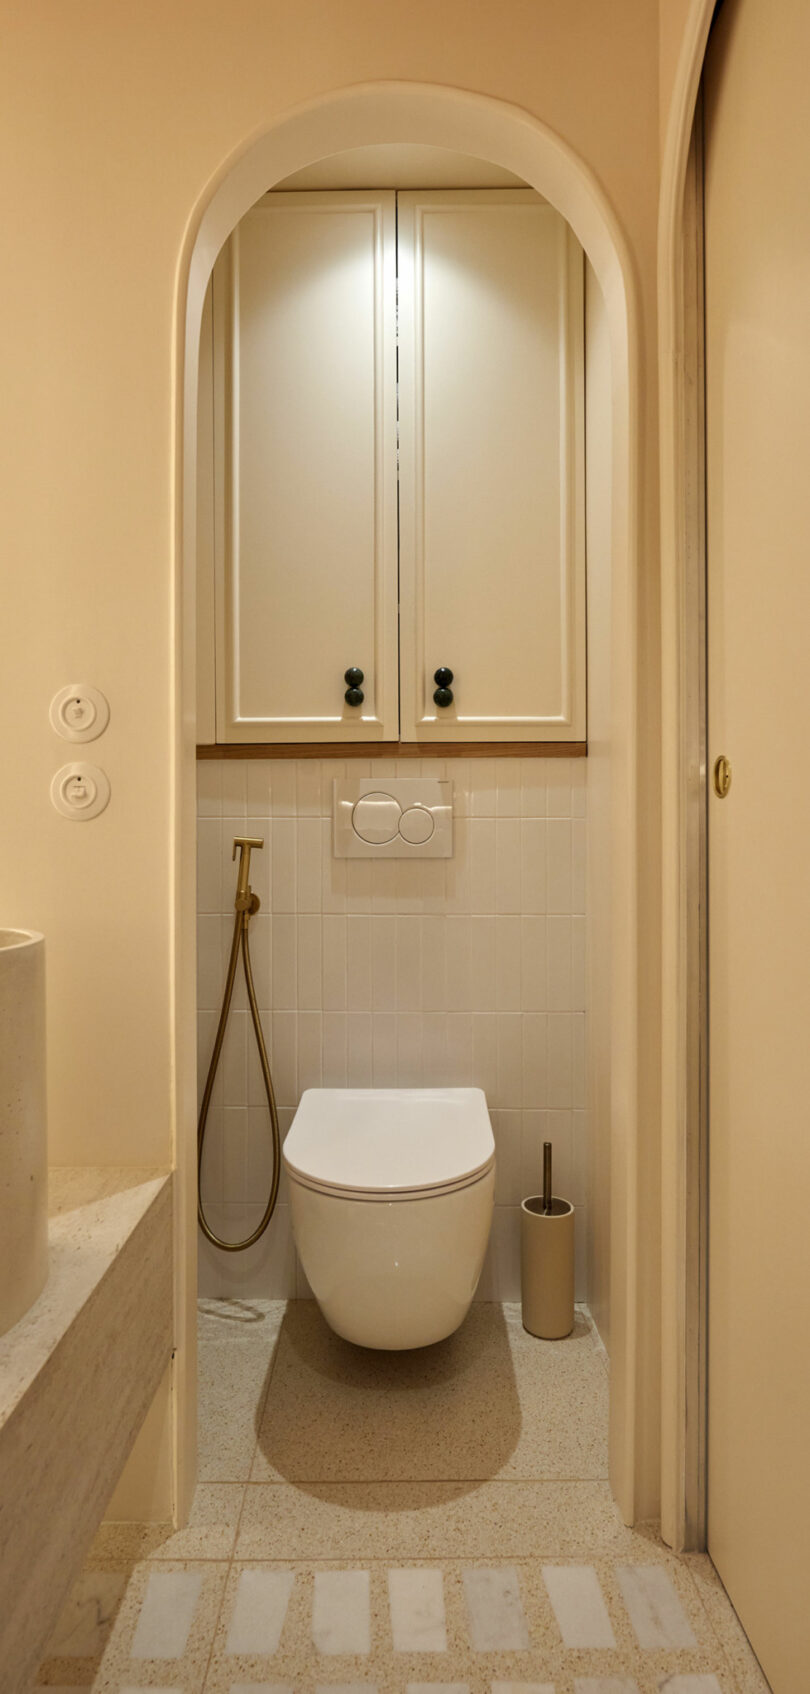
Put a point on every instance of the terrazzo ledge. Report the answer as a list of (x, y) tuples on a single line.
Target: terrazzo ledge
[(77, 1376)]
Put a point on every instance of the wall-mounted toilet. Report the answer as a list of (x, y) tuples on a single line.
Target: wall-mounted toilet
[(391, 1192)]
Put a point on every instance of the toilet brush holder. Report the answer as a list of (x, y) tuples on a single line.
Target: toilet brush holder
[(547, 1267)]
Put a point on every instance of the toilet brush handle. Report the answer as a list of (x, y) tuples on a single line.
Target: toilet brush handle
[(546, 1176)]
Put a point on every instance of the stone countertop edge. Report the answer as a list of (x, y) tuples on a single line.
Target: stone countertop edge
[(93, 1212)]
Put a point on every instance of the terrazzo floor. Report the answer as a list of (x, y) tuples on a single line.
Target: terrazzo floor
[(436, 1522)]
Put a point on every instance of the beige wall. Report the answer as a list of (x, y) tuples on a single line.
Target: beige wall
[(120, 118)]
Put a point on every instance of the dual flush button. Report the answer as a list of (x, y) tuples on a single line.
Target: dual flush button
[(406, 818)]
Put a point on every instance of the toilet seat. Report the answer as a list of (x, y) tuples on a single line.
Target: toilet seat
[(384, 1144)]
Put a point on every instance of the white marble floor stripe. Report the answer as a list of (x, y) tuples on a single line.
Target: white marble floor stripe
[(656, 1613), (522, 1688), (605, 1685), (254, 1688), (262, 1598), (416, 1601), (341, 1612), (437, 1688), (692, 1684), (166, 1614), (497, 1619), (579, 1605), (345, 1688)]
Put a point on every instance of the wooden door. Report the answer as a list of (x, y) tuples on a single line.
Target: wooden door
[(492, 569), (757, 118), (305, 307)]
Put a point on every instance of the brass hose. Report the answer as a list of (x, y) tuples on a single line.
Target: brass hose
[(247, 903)]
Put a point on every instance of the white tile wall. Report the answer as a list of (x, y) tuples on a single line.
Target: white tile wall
[(466, 971)]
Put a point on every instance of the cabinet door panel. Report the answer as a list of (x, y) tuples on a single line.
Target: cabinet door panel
[(492, 575), (307, 580)]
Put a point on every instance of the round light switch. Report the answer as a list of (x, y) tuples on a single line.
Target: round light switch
[(80, 791), (79, 712), (416, 825), (375, 818)]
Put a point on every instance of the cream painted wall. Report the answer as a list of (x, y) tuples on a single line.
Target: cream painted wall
[(120, 119), (599, 787)]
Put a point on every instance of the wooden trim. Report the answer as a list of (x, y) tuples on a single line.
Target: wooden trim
[(395, 749)]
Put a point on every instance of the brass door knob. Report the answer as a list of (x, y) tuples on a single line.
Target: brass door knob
[(722, 776)]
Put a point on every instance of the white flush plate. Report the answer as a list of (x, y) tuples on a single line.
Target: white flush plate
[(408, 817)]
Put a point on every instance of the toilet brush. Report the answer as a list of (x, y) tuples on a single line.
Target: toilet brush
[(547, 1260)]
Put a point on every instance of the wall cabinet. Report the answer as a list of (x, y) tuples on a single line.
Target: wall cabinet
[(397, 467)]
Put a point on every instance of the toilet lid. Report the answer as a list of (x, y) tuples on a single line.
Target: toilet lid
[(382, 1140)]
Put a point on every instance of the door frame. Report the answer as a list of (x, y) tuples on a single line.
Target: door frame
[(684, 1000), (358, 116)]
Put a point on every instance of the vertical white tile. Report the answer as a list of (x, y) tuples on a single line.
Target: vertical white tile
[(260, 1150), (234, 1061), (416, 1602), (212, 1176), (310, 985), (234, 1153), (433, 963), (433, 884), (508, 964), (558, 961), (485, 1055), (284, 950), (334, 963), (341, 1612), (534, 1059), (507, 788), (209, 788), (533, 964), (460, 776), (333, 873), (260, 946), (209, 865), (262, 1598), (579, 1605), (579, 1158), (558, 789), (308, 788), (560, 1056), (259, 776), (234, 789), (166, 1614), (578, 964), (533, 1134), (495, 1613), (507, 1130), (579, 1073), (359, 1072), (210, 963), (578, 864), (310, 1051), (308, 868), (283, 865), (358, 963), (457, 869), (510, 1060), (359, 885), (558, 865), (482, 788), (385, 886), (284, 1060), (533, 788), (533, 865), (384, 1050), (482, 864), (409, 1050), (409, 964), (384, 964), (482, 963), (579, 782), (259, 828), (508, 865), (458, 1035), (558, 1128), (457, 963), (656, 1613), (335, 1033), (434, 1050), (282, 788)]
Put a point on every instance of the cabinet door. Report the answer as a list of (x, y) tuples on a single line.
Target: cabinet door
[(492, 567), (307, 570)]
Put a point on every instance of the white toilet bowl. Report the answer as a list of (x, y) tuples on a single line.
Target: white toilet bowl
[(391, 1192)]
